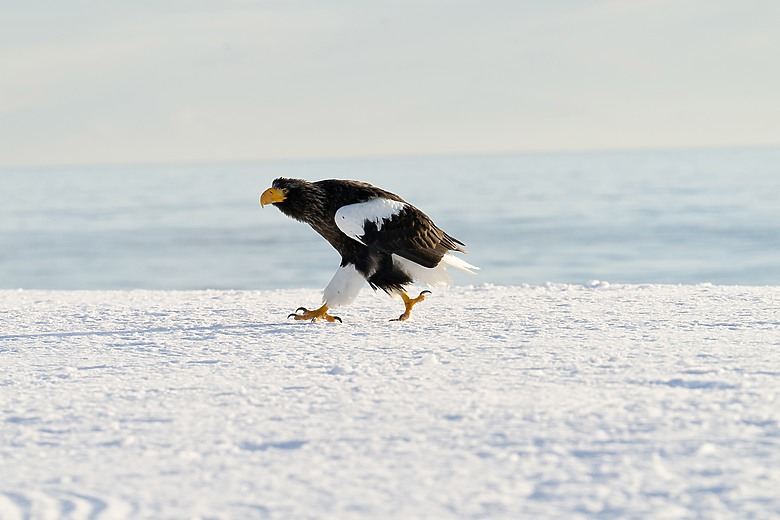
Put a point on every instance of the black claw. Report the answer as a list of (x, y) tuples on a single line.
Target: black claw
[(425, 292), (304, 309), (337, 318)]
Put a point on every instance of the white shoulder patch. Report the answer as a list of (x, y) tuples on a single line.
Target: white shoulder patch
[(351, 219)]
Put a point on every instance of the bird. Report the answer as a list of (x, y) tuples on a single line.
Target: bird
[(382, 240)]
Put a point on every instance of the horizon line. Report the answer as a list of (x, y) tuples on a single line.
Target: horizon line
[(389, 156)]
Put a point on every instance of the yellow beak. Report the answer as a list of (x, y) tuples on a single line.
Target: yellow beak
[(272, 196)]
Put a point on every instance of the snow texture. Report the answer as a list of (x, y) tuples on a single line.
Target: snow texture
[(551, 401)]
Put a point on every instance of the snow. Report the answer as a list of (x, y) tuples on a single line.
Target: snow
[(556, 401)]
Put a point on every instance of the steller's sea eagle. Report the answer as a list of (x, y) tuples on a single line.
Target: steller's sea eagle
[(381, 239)]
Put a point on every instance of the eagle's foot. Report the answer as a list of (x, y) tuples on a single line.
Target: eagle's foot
[(409, 303), (315, 315)]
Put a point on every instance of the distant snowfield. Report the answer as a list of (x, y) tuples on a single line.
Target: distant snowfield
[(504, 402)]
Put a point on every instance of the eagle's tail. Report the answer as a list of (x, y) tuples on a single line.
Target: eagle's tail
[(434, 276), (459, 263)]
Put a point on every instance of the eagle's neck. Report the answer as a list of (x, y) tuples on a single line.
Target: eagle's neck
[(305, 202), (315, 204)]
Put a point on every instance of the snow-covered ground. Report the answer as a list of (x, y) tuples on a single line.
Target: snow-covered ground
[(505, 402)]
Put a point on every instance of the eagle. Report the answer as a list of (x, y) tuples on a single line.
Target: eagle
[(382, 240)]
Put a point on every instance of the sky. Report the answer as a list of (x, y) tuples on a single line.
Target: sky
[(160, 81)]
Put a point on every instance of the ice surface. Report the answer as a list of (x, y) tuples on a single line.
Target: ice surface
[(556, 401), (650, 216)]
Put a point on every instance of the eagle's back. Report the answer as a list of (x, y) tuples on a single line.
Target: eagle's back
[(374, 226), (405, 231)]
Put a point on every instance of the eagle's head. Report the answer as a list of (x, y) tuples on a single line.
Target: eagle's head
[(296, 198)]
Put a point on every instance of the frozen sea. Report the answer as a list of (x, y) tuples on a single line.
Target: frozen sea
[(680, 217)]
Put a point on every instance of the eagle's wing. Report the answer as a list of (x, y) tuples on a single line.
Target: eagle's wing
[(391, 226)]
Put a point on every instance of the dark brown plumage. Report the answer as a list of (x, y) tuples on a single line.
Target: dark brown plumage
[(388, 241)]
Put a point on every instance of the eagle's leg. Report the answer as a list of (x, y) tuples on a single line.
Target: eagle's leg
[(315, 315), (409, 303)]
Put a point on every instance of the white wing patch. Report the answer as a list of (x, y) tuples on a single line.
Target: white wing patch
[(351, 219)]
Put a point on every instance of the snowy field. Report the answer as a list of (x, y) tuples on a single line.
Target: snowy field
[(556, 401)]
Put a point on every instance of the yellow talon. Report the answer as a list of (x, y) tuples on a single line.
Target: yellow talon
[(409, 303), (316, 315)]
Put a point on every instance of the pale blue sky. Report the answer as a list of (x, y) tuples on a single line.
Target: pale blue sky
[(84, 82)]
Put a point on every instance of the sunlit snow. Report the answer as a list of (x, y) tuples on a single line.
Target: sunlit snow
[(554, 401)]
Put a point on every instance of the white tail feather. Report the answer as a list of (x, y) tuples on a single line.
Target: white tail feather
[(459, 263), (435, 276)]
